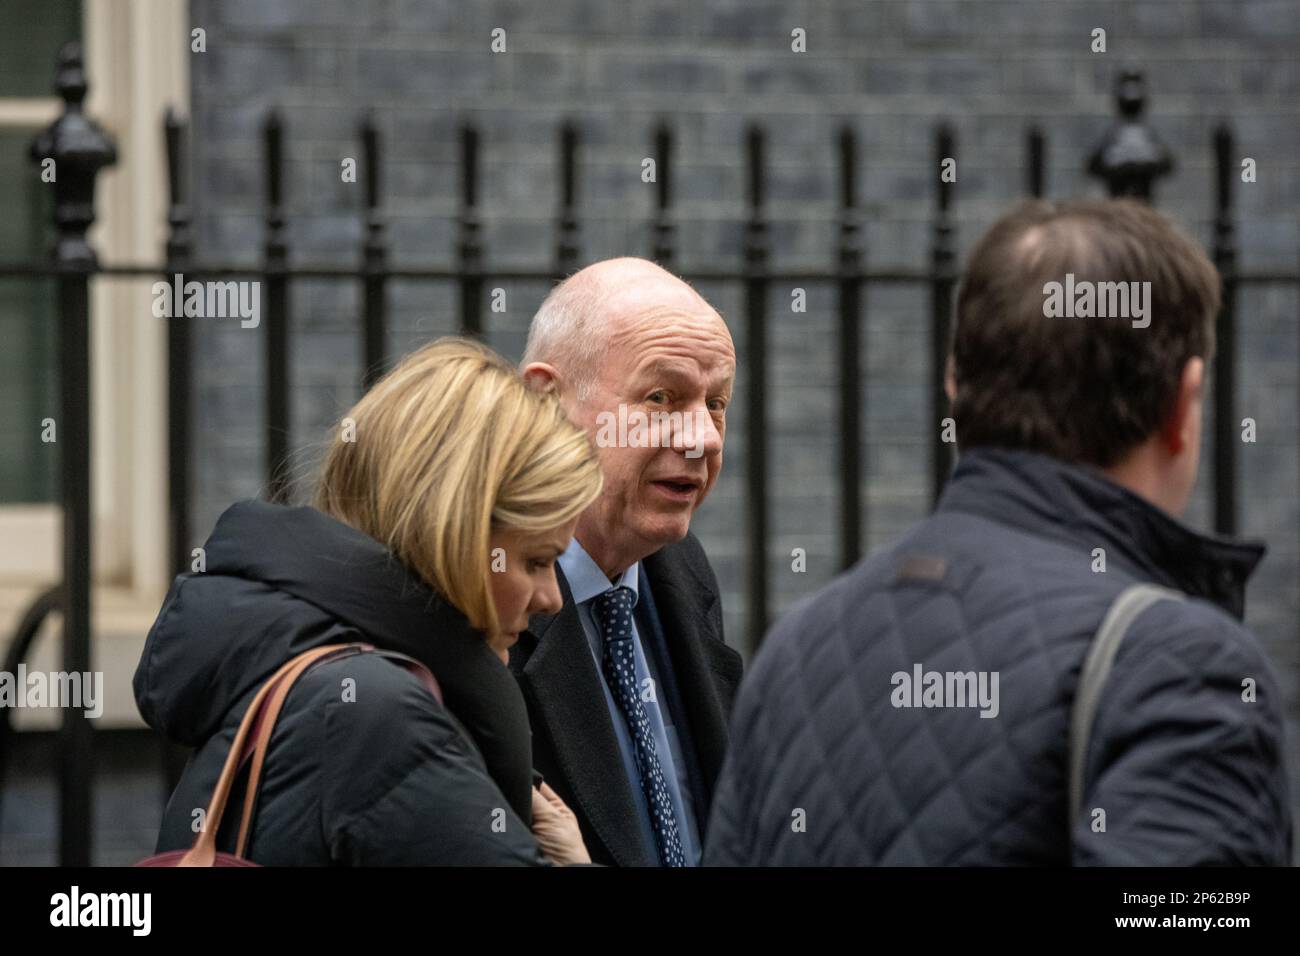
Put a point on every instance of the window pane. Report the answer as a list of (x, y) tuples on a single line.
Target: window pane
[(28, 371), (31, 32)]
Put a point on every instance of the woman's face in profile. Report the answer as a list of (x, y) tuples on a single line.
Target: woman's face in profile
[(524, 583)]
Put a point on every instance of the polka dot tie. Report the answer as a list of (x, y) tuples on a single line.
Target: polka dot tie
[(614, 615)]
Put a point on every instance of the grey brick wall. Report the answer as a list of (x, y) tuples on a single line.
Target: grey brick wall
[(891, 69)]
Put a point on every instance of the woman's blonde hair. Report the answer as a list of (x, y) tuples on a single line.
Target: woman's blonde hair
[(447, 447)]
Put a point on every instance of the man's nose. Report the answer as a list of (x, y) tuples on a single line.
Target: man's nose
[(702, 439)]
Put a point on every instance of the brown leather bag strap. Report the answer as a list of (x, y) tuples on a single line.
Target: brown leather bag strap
[(262, 738), (204, 851)]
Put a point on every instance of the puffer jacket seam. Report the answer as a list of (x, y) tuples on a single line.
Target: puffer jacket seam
[(450, 737), (152, 646)]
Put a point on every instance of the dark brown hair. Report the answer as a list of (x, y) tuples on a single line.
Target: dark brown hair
[(1084, 390)]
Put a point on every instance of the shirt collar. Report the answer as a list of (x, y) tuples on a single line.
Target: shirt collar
[(585, 578)]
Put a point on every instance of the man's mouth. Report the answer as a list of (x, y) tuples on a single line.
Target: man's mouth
[(680, 488)]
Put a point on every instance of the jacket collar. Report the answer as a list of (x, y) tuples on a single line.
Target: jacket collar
[(1077, 504), (318, 559)]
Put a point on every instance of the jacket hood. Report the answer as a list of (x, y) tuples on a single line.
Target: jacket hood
[(1078, 504), (281, 580)]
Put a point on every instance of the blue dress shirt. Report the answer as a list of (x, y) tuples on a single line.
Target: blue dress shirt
[(586, 581)]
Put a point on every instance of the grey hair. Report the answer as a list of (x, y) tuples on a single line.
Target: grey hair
[(567, 333)]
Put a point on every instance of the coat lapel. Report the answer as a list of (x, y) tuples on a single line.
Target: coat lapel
[(706, 670), (564, 693)]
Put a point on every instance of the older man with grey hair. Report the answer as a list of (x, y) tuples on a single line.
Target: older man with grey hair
[(630, 686)]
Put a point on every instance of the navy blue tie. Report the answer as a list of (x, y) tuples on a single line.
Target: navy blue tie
[(614, 615)]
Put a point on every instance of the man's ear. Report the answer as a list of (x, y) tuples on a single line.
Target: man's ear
[(950, 379), (541, 377), (1178, 430)]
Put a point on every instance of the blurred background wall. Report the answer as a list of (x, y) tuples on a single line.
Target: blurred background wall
[(888, 68)]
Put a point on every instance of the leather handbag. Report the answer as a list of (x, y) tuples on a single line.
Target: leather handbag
[(251, 743)]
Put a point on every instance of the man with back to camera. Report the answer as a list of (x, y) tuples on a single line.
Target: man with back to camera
[(630, 685), (1079, 425)]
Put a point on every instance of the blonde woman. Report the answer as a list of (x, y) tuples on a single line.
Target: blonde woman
[(446, 495)]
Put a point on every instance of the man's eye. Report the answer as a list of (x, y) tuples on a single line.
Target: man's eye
[(718, 405), (659, 397), (536, 565)]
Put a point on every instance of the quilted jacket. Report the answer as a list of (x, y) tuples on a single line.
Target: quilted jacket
[(840, 755)]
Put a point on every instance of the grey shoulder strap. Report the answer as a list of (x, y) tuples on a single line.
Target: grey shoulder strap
[(1096, 666)]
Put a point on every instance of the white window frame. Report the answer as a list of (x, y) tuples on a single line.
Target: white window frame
[(30, 532), (137, 64)]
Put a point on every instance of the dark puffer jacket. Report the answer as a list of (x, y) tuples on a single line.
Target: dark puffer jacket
[(379, 775), (825, 768)]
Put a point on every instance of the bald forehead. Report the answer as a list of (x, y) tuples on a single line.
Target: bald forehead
[(631, 285), (633, 308), (632, 293)]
